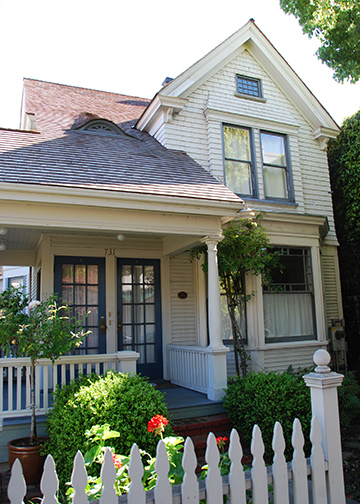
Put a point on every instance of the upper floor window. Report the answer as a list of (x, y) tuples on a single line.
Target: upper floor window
[(275, 166), (248, 86), (239, 169)]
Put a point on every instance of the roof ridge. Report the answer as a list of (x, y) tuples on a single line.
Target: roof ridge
[(85, 88)]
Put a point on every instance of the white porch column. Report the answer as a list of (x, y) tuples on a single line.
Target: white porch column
[(217, 369), (324, 405)]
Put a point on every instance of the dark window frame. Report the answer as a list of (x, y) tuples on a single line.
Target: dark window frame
[(288, 288), (252, 163), (287, 168), (241, 90)]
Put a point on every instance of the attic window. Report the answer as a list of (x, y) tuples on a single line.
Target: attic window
[(248, 86), (103, 127)]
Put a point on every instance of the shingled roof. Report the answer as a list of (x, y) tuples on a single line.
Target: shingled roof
[(60, 154)]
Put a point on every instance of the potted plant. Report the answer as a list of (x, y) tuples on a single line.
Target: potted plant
[(35, 329)]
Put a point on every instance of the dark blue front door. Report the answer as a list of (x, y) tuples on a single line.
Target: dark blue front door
[(139, 313), (80, 282)]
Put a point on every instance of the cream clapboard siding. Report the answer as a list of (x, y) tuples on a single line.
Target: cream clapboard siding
[(279, 359), (183, 311), (331, 284), (202, 139)]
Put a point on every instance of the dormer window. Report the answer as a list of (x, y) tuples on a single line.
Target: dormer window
[(102, 127), (248, 86)]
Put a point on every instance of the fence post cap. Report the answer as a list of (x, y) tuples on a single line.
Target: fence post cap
[(322, 359)]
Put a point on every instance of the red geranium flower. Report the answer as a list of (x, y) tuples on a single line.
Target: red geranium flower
[(157, 424), (116, 460), (221, 441)]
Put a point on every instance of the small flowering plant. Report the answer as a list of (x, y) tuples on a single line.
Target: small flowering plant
[(99, 436), (157, 425), (36, 329)]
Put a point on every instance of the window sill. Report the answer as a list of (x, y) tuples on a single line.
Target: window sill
[(269, 201), (252, 98), (315, 343)]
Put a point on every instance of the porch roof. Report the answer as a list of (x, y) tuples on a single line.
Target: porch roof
[(60, 154)]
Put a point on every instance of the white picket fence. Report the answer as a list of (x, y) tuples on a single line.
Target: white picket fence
[(324, 465)]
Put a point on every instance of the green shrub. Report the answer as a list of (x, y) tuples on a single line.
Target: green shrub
[(349, 405), (263, 399), (124, 402)]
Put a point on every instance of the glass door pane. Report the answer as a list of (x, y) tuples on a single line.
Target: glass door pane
[(80, 282), (139, 321)]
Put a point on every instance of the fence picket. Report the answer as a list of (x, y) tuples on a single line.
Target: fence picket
[(136, 470), (319, 492), (49, 483), (190, 486), (301, 494), (108, 477), (279, 468), (236, 475), (162, 492), (213, 480), (258, 471), (17, 487), (79, 480)]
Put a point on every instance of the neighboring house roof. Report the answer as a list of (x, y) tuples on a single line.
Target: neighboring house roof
[(174, 95), (61, 154)]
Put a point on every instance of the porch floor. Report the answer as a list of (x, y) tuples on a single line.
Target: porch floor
[(184, 403)]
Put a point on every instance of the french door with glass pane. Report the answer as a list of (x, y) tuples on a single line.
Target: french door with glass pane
[(80, 282), (139, 313)]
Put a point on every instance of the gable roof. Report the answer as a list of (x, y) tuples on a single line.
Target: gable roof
[(61, 155), (249, 37)]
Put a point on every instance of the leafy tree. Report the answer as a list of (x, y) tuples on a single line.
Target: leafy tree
[(336, 23), (344, 165), (36, 329), (244, 249)]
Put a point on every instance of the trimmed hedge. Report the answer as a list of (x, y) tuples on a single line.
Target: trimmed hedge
[(125, 402), (264, 398)]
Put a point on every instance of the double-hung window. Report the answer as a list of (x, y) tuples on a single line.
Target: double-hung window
[(239, 168), (289, 300), (276, 167)]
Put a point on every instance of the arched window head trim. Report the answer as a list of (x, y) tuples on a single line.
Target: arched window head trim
[(102, 126)]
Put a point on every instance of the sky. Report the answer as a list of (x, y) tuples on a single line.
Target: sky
[(129, 47)]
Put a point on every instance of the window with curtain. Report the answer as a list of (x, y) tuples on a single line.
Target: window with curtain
[(275, 166), (238, 165), (289, 300)]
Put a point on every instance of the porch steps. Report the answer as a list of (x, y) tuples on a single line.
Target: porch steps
[(199, 428)]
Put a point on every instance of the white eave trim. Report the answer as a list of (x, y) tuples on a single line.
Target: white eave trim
[(49, 194), (169, 105), (250, 121)]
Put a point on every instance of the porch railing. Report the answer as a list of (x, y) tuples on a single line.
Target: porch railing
[(189, 367), (15, 378)]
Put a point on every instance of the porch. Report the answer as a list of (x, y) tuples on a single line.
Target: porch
[(15, 390)]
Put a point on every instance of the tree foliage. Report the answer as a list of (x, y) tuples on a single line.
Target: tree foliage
[(336, 23), (344, 165), (245, 248)]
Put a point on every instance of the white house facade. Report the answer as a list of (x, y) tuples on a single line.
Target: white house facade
[(103, 195)]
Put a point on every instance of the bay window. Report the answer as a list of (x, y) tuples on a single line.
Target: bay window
[(289, 299)]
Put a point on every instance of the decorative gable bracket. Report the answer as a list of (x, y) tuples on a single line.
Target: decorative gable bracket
[(323, 135), (162, 108)]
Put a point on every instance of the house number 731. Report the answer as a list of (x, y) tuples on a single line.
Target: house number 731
[(109, 251)]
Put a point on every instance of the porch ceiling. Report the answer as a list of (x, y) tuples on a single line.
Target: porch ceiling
[(22, 242)]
